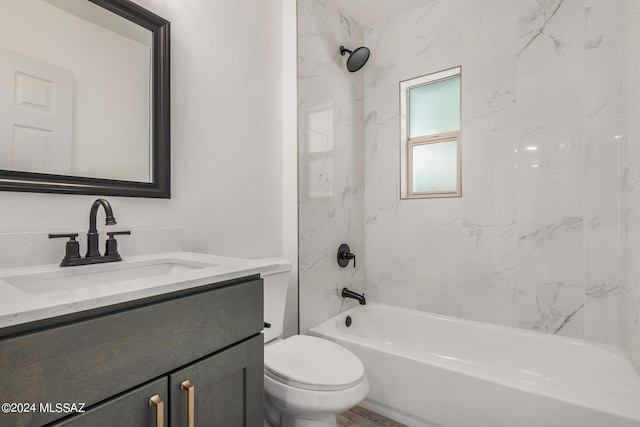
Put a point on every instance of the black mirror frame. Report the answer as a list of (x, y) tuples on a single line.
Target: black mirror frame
[(160, 185)]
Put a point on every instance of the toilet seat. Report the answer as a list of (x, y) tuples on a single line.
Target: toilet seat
[(311, 363)]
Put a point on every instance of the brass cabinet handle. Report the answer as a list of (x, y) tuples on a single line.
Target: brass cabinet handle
[(159, 404), (189, 388)]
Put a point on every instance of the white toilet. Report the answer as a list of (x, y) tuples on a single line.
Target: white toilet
[(307, 380)]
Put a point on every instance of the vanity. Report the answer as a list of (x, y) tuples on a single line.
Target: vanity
[(155, 340), (171, 339)]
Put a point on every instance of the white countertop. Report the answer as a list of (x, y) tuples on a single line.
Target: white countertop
[(20, 306)]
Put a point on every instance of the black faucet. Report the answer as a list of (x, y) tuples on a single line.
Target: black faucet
[(72, 255), (92, 234), (346, 293)]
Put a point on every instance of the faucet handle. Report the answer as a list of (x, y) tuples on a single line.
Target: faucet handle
[(71, 236), (72, 248), (117, 233), (112, 243)]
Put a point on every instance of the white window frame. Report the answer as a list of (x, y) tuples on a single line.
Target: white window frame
[(407, 144)]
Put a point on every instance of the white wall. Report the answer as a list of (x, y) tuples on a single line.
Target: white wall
[(226, 137)]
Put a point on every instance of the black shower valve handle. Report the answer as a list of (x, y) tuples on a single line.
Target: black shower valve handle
[(345, 255), (353, 257)]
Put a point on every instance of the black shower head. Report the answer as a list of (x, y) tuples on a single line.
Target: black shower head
[(357, 58)]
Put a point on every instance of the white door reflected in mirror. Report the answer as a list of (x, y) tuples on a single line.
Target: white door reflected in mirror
[(75, 91), (36, 109)]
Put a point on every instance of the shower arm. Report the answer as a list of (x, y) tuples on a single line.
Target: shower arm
[(344, 50)]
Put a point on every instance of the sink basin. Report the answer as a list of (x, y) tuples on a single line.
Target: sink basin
[(78, 278)]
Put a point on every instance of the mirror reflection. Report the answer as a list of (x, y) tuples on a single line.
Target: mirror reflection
[(75, 91)]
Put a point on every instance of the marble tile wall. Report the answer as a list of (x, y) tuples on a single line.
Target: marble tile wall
[(331, 161), (630, 186), (534, 241)]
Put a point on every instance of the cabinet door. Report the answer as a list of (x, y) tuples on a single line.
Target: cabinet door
[(129, 409), (224, 390)]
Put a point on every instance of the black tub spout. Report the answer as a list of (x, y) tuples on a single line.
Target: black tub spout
[(346, 293)]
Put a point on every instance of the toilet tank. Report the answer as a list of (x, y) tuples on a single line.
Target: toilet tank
[(276, 284)]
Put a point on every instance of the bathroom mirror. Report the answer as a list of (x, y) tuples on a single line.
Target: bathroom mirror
[(84, 98)]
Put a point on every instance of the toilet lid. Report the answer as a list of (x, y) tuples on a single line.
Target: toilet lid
[(312, 363)]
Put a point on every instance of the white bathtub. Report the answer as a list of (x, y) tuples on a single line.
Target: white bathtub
[(432, 370)]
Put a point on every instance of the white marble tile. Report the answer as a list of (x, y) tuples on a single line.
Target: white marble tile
[(397, 257), (402, 297), (489, 27), (371, 256), (552, 254), (382, 186), (489, 179), (602, 282), (540, 103), (438, 42), (550, 257), (602, 59), (552, 307), (318, 296), (602, 137), (491, 308), (547, 205), (602, 314), (552, 25), (490, 261), (393, 46), (335, 214), (489, 31), (549, 86), (320, 177), (631, 216), (439, 301), (625, 324), (489, 95), (439, 264)]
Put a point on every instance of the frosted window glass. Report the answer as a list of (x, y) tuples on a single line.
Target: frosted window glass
[(434, 108), (435, 166)]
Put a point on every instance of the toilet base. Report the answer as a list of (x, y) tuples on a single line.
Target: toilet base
[(273, 418), (289, 421), (287, 406)]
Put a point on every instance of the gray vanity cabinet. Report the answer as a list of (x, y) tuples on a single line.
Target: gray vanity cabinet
[(129, 409), (227, 387), (115, 361)]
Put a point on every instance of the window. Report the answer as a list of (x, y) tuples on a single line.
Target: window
[(430, 135)]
